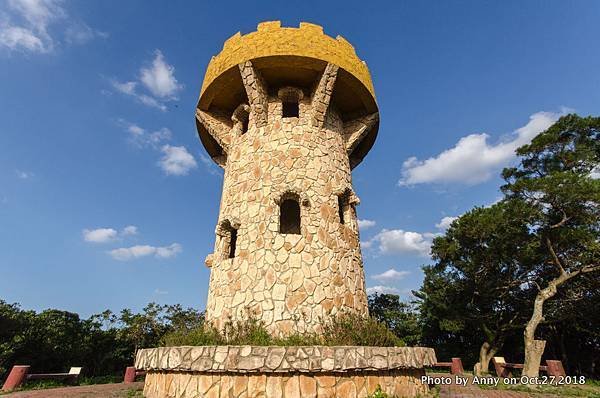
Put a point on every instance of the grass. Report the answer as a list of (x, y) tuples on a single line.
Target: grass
[(378, 393), (138, 393), (343, 330)]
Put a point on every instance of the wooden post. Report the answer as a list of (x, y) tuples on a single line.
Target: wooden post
[(16, 377), (457, 367), (555, 368), (129, 374)]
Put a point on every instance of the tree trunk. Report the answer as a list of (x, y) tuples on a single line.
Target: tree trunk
[(533, 357), (535, 348), (486, 353)]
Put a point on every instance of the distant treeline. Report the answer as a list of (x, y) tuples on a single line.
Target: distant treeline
[(104, 344)]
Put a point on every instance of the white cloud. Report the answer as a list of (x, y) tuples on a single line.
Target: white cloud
[(390, 275), (151, 102), (364, 224), (473, 159), (138, 251), (100, 235), (16, 37), (595, 174), (24, 174), (80, 33), (382, 290), (176, 160), (160, 292), (26, 26), (129, 88), (445, 222), (160, 78), (125, 88), (103, 235), (142, 138), (135, 130), (129, 230), (398, 241), (168, 251), (38, 13), (158, 136)]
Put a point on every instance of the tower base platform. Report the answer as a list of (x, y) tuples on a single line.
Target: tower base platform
[(283, 372)]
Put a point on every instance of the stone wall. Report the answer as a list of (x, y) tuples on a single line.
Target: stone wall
[(292, 282), (285, 372)]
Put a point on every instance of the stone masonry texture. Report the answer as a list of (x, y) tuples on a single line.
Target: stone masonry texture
[(290, 372), (292, 282)]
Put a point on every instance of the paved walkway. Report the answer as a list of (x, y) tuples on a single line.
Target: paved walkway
[(476, 392), (117, 390), (473, 391)]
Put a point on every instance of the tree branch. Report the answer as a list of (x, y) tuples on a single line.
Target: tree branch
[(590, 268), (561, 222), (555, 257)]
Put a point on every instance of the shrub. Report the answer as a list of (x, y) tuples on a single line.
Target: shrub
[(353, 329), (345, 329), (378, 393), (200, 335)]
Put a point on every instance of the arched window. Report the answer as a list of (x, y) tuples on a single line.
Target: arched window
[(346, 212), (342, 208), (289, 216), (232, 242), (228, 234), (290, 101)]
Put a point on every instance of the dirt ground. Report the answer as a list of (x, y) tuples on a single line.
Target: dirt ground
[(474, 391), (116, 390)]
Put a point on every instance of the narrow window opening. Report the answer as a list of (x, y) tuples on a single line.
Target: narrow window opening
[(290, 109), (241, 118), (341, 209), (289, 217), (232, 242)]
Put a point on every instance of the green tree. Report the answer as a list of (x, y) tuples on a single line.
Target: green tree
[(401, 318), (13, 323), (477, 283), (555, 179)]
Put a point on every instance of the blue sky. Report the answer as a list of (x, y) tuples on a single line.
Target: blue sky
[(107, 199)]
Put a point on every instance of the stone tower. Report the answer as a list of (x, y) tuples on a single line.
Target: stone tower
[(287, 112)]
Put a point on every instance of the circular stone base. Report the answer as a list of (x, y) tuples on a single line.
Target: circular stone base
[(284, 372)]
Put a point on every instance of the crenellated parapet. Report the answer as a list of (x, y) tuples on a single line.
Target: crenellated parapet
[(253, 68)]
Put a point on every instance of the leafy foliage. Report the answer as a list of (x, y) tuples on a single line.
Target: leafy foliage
[(400, 317), (479, 279), (104, 344), (378, 393)]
